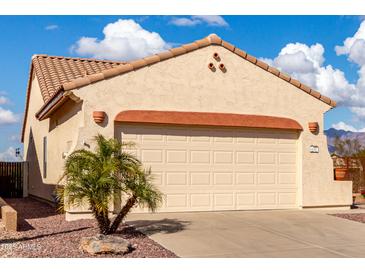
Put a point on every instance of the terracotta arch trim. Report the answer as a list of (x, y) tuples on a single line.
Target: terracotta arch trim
[(206, 119)]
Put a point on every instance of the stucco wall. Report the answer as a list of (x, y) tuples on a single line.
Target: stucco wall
[(185, 83), (61, 132)]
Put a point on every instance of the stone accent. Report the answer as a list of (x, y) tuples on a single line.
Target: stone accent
[(8, 216), (105, 244)]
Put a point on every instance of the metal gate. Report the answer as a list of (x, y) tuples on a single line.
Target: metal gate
[(11, 179)]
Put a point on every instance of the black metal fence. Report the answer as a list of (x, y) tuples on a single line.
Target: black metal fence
[(11, 179)]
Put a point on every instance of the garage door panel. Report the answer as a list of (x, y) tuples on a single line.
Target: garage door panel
[(245, 178), (222, 157), (266, 178), (286, 198), (152, 156), (248, 139), (176, 139), (200, 157), (266, 141), (152, 138), (287, 158), (218, 169), (176, 178), (245, 200), (265, 168), (222, 178), (134, 152), (130, 137), (200, 139), (200, 178), (224, 201), (286, 168), (158, 178), (224, 139), (245, 157), (266, 157), (176, 200), (265, 199), (176, 156), (201, 201), (287, 178)]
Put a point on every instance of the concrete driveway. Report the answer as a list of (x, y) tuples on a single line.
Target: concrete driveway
[(294, 233)]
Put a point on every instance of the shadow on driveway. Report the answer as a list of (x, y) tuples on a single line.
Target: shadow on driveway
[(166, 226)]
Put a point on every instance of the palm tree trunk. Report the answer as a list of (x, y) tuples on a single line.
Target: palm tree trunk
[(103, 221), (122, 214)]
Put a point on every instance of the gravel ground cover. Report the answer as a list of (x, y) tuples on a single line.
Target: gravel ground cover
[(45, 233), (358, 217)]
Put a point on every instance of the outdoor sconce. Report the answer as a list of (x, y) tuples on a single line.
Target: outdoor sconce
[(216, 56), (99, 116), (313, 127), (211, 66)]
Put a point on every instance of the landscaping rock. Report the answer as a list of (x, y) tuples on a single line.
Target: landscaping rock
[(44, 233), (105, 244)]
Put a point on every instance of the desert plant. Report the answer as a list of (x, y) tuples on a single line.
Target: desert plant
[(96, 177), (347, 147)]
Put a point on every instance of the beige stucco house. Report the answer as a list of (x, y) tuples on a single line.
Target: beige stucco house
[(220, 129)]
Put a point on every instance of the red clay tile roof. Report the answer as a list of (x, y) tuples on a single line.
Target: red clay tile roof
[(60, 74), (54, 71), (206, 119)]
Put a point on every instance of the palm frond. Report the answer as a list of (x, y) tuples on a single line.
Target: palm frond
[(96, 177)]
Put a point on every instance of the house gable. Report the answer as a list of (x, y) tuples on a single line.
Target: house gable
[(55, 81)]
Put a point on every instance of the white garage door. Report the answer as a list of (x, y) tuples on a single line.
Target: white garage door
[(206, 169)]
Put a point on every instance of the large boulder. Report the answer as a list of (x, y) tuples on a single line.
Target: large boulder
[(105, 244)]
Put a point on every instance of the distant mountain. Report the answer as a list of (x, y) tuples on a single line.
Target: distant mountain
[(343, 134)]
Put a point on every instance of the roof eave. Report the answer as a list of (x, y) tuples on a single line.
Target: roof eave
[(29, 84), (59, 99), (53, 103), (212, 39)]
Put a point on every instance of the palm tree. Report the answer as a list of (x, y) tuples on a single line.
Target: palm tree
[(96, 177)]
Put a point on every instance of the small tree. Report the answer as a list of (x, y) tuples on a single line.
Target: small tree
[(347, 147), (96, 177)]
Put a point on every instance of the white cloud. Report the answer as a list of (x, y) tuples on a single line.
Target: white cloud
[(305, 63), (210, 20), (343, 126), (354, 47), (7, 116), (8, 155), (3, 100), (51, 27), (123, 40), (184, 22)]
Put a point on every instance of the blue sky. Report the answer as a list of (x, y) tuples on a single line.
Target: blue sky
[(261, 36)]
